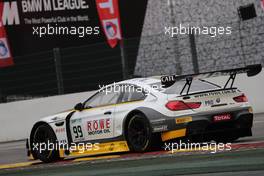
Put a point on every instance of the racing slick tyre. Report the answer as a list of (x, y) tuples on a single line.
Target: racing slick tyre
[(138, 133), (45, 140)]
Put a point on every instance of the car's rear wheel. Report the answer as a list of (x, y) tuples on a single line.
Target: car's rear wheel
[(138, 133), (44, 144)]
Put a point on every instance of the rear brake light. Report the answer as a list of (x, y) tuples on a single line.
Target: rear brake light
[(180, 105), (240, 99)]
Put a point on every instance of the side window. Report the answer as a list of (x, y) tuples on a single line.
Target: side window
[(103, 98), (94, 101), (109, 98), (137, 96), (134, 95)]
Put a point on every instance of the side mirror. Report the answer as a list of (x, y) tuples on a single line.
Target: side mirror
[(78, 107)]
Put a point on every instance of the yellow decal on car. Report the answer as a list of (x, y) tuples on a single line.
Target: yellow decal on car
[(173, 134), (102, 148), (183, 120)]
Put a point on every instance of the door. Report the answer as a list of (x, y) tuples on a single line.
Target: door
[(129, 101), (96, 120)]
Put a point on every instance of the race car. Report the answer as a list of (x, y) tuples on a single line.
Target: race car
[(135, 114)]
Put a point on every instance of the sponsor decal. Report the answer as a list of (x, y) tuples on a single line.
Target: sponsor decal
[(165, 136), (76, 121), (160, 128), (215, 93), (157, 121), (167, 79), (183, 120), (100, 126), (222, 117), (60, 130)]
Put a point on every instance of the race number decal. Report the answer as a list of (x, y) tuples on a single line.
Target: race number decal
[(77, 130)]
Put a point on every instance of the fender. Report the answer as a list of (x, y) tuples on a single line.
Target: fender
[(157, 120)]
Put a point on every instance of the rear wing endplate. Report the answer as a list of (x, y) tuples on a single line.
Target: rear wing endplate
[(250, 70)]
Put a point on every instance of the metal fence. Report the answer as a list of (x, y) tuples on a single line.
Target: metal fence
[(66, 70), (84, 68)]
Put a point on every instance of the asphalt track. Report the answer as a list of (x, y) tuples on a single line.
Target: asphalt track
[(245, 158)]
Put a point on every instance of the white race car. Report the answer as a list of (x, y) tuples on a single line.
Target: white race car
[(135, 114)]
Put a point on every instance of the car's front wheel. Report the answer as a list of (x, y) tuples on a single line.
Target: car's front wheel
[(44, 144), (138, 133)]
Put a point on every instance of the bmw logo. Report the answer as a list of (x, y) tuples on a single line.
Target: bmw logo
[(3, 49)]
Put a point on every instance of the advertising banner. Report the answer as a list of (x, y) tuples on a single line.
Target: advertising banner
[(33, 26), (110, 20), (5, 54)]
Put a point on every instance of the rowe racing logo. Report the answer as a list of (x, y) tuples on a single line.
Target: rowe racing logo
[(9, 13), (99, 126)]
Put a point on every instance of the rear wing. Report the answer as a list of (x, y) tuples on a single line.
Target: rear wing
[(250, 70)]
